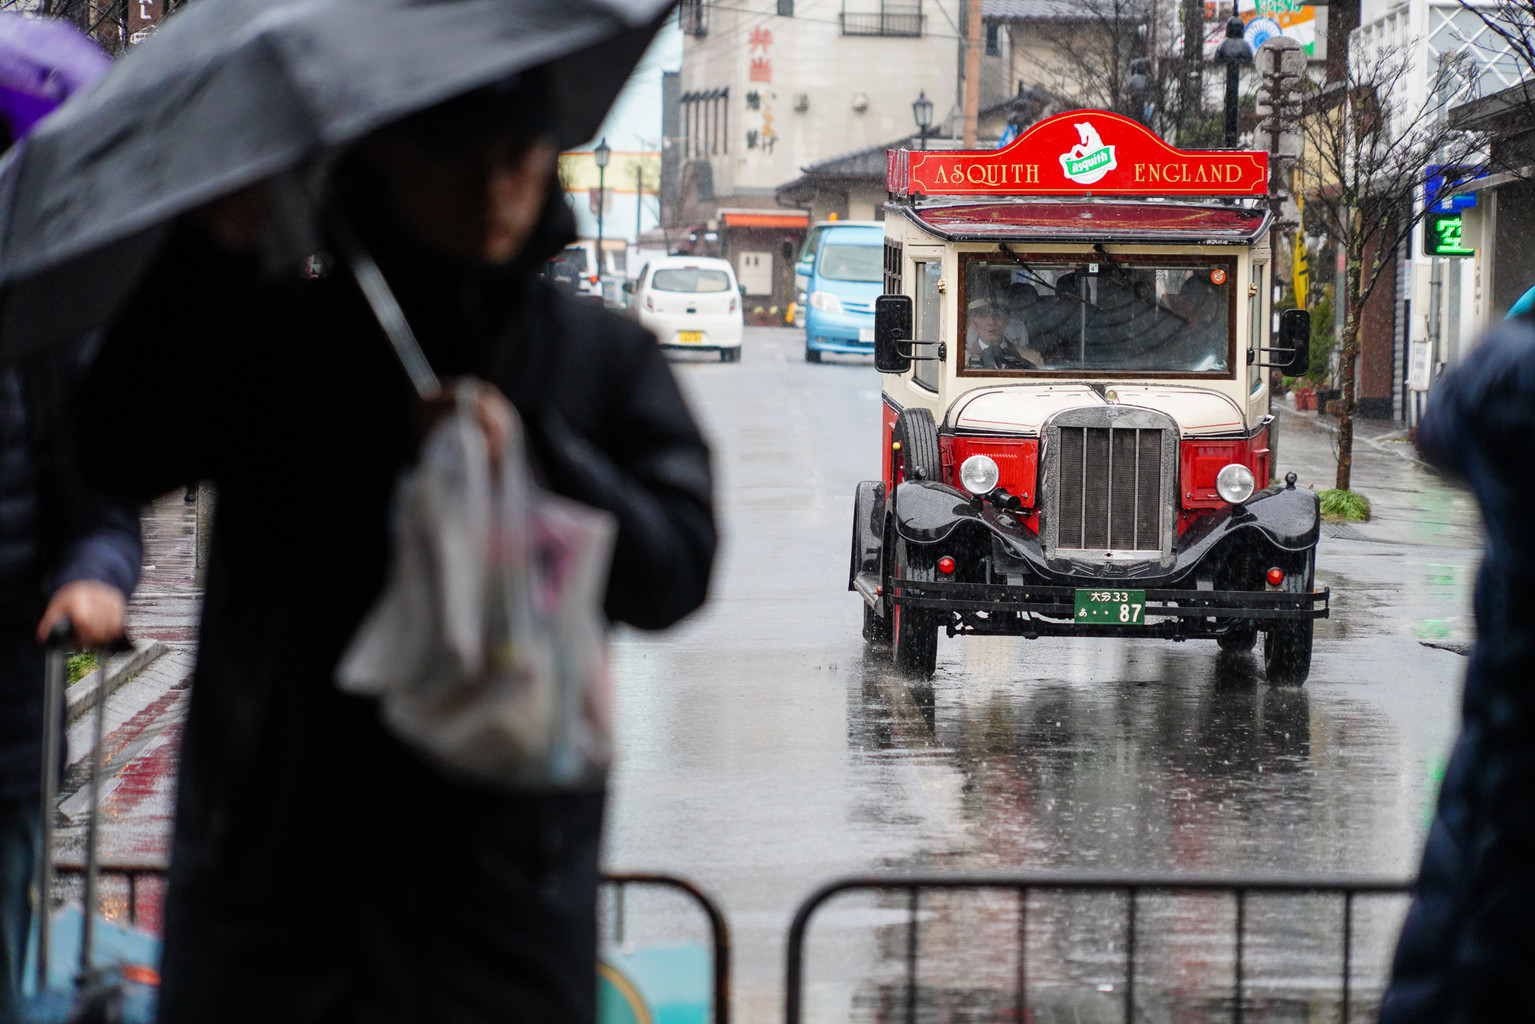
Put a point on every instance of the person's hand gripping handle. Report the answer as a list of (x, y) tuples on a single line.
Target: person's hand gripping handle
[(86, 613)]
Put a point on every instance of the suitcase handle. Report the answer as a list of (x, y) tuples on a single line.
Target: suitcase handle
[(62, 635)]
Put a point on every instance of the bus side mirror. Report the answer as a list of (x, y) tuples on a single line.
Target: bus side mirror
[(892, 325), (1294, 342)]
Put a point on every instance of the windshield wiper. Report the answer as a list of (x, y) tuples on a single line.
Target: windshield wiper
[(1034, 273)]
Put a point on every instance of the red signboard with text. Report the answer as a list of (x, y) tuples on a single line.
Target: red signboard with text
[(1081, 152)]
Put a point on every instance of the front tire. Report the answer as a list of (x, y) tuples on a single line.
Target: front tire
[(920, 457), (1287, 652), (876, 627), (914, 631), (1287, 643), (812, 355)]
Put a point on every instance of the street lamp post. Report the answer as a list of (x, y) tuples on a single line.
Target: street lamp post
[(602, 154), (922, 111), (1233, 52)]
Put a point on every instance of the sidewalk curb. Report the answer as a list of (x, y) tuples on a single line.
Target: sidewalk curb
[(120, 668), (1382, 443)]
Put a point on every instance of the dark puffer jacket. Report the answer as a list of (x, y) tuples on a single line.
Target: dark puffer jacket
[(51, 532), (1469, 938)]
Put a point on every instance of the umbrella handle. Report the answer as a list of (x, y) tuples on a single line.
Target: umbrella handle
[(386, 308)]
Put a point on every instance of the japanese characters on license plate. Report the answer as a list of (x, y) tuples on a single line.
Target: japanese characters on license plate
[(1118, 607), (866, 335), (690, 337)]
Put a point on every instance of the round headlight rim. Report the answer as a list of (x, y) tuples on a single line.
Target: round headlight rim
[(994, 474), (1238, 474)]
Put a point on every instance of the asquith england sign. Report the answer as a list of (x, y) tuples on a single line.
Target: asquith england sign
[(1082, 152)]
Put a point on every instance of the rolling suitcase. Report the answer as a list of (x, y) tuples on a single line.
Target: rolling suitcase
[(99, 995)]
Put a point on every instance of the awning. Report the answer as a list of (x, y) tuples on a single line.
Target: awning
[(787, 219), (1091, 221)]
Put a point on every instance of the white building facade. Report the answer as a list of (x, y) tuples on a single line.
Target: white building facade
[(771, 86), (1443, 303)]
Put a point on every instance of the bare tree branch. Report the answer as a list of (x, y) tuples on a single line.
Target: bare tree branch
[(1367, 143)]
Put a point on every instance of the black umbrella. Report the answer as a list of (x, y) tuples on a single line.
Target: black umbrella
[(233, 92)]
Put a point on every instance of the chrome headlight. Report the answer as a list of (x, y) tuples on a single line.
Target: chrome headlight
[(1234, 483), (979, 474)]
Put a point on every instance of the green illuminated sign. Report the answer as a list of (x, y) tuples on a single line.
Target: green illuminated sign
[(1442, 235)]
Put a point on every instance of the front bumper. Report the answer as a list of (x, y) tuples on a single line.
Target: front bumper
[(1007, 583), (1047, 610), (839, 332)]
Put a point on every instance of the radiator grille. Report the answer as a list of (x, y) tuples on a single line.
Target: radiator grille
[(1110, 489)]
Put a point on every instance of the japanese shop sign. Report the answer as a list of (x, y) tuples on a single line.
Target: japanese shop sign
[(758, 47), (1079, 153)]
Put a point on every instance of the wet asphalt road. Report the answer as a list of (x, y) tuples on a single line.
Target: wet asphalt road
[(764, 750)]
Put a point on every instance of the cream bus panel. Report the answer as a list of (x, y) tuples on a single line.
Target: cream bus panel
[(1197, 410), (1019, 408)]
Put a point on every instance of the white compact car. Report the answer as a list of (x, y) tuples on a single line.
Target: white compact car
[(690, 302)]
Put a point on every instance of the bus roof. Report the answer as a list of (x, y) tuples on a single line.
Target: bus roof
[(1088, 220)]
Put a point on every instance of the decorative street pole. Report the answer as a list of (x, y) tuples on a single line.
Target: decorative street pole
[(602, 154), (922, 111), (1234, 52)]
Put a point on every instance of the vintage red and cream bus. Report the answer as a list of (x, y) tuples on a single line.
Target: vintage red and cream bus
[(1074, 339)]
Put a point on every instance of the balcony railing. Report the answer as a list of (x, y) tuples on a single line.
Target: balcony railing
[(882, 23)]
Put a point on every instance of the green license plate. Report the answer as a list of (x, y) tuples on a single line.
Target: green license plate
[(1119, 607)]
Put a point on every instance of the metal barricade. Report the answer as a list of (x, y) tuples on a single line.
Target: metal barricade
[(134, 871), (720, 931), (1132, 888)]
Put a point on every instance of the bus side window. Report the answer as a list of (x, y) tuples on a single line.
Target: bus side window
[(1257, 330), (929, 322)]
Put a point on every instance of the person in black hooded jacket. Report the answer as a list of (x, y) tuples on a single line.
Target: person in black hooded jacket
[(320, 870), (1469, 936)]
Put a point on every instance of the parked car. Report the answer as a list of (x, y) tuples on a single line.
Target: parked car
[(690, 302), (843, 277), (574, 268)]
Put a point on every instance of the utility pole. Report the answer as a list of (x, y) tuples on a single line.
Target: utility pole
[(639, 197), (972, 72), (1280, 64), (1190, 90)]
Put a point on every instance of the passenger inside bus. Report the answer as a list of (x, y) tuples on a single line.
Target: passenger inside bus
[(1205, 310)]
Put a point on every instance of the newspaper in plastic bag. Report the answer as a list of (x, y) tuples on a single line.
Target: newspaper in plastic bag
[(488, 647)]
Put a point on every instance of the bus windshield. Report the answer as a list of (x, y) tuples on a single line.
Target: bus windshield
[(1108, 314)]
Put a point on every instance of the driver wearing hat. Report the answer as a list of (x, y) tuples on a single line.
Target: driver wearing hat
[(987, 345)]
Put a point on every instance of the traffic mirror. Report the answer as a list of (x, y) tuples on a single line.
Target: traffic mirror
[(1294, 348), (892, 326)]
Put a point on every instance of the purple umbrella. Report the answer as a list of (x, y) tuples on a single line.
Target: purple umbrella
[(42, 61)]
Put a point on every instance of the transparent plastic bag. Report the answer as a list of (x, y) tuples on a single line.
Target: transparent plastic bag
[(488, 649)]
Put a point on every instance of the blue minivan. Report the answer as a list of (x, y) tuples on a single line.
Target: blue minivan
[(843, 266)]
